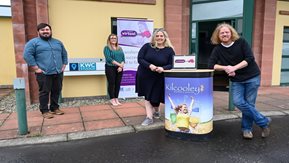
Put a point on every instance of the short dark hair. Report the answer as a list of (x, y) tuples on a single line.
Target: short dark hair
[(43, 25)]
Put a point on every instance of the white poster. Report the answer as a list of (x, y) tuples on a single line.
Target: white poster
[(132, 35)]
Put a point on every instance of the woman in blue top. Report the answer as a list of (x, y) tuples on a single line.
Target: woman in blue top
[(114, 64), (153, 59)]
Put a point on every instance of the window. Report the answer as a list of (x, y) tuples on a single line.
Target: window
[(285, 58), (217, 10)]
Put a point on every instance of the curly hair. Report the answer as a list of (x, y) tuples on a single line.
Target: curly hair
[(215, 36)]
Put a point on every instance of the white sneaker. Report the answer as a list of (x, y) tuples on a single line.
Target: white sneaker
[(247, 134), (147, 121)]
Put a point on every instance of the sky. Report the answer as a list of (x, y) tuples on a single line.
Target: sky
[(5, 2)]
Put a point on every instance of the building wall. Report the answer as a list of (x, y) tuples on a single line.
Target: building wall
[(281, 21), (7, 61), (83, 27), (263, 38), (177, 20)]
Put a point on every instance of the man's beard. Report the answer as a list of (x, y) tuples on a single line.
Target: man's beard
[(45, 37)]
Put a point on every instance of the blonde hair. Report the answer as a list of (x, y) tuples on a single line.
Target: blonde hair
[(167, 40), (108, 42), (215, 36)]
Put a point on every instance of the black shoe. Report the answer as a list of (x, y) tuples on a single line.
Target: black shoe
[(157, 115)]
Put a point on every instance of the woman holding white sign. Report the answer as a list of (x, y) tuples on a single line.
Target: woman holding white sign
[(114, 64), (153, 59)]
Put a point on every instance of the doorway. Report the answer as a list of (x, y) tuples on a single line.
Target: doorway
[(205, 31)]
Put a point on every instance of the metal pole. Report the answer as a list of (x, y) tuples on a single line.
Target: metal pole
[(60, 99), (19, 87), (231, 105)]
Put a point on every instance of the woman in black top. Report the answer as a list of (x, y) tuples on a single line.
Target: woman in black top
[(153, 59), (233, 55)]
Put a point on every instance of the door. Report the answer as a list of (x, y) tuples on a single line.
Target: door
[(204, 49)]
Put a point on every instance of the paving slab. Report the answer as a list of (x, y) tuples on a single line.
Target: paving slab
[(102, 132)]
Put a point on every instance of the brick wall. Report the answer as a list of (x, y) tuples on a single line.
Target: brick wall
[(26, 14), (177, 24), (263, 37)]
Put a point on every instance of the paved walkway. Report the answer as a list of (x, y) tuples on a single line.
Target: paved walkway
[(99, 120)]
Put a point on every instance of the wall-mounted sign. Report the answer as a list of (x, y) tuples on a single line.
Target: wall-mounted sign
[(89, 66), (73, 66), (85, 64)]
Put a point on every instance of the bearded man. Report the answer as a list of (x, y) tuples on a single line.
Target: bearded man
[(47, 57)]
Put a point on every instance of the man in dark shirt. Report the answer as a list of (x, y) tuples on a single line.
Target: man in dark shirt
[(233, 55), (48, 58)]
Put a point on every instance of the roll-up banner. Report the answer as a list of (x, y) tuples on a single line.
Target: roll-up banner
[(132, 35)]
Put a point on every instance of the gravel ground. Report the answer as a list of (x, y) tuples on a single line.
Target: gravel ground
[(8, 103)]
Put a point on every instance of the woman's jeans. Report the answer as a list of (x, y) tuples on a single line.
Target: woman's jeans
[(244, 98)]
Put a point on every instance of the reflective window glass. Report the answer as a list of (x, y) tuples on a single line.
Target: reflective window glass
[(5, 11), (217, 10), (285, 49), (194, 30), (286, 34), (285, 63), (285, 77), (196, 1)]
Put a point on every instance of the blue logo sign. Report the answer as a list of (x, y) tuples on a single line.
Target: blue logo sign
[(73, 66), (89, 66)]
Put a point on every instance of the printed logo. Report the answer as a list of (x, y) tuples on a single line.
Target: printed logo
[(73, 66), (185, 89), (90, 66), (128, 33)]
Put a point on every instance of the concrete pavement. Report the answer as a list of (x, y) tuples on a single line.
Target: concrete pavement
[(101, 120)]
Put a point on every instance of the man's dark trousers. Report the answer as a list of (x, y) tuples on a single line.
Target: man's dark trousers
[(49, 85)]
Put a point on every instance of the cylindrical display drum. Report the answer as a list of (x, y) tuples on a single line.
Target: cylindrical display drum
[(188, 102)]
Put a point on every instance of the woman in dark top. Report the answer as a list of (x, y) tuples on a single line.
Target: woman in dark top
[(114, 63), (233, 55), (153, 59)]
